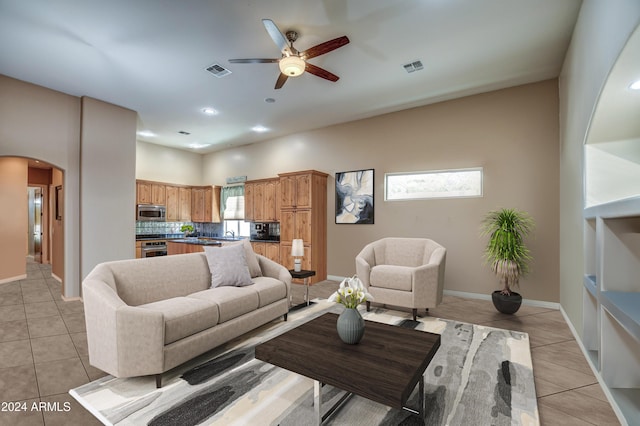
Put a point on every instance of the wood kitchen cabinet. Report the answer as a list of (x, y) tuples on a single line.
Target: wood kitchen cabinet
[(303, 214), (270, 250), (205, 204), (261, 200), (183, 248), (173, 203), (185, 205), (143, 192), (178, 204), (150, 193)]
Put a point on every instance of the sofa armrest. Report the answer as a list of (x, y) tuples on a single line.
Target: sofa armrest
[(122, 340), (272, 269)]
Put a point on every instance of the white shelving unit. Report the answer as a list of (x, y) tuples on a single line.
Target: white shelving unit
[(611, 299)]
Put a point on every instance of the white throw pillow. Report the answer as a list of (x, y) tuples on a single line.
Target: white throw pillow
[(228, 266)]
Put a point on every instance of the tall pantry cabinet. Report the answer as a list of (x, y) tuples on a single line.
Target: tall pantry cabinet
[(303, 214)]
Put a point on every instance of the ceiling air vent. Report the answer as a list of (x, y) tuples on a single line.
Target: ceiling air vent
[(218, 70), (413, 66)]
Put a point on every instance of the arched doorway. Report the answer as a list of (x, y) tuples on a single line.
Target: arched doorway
[(33, 228)]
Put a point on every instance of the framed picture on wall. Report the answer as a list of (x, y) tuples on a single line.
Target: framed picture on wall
[(354, 197)]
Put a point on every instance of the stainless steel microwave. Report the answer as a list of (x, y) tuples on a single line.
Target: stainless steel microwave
[(150, 212)]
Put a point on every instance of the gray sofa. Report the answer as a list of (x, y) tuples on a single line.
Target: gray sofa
[(147, 316)]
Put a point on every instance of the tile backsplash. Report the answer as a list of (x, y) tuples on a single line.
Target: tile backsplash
[(173, 228)]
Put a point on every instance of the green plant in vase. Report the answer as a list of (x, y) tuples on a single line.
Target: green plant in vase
[(188, 230), (506, 252)]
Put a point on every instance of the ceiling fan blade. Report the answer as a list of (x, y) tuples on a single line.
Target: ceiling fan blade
[(253, 61), (322, 48), (282, 78), (276, 35), (320, 72)]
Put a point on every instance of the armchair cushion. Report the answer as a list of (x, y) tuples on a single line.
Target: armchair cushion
[(392, 276)]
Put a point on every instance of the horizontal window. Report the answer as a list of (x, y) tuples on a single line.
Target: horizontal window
[(433, 184)]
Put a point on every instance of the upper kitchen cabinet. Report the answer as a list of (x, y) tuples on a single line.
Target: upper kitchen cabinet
[(205, 204), (296, 189), (150, 193), (261, 200), (178, 204)]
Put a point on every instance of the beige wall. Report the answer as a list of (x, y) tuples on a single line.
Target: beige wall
[(512, 134), (108, 189), (164, 164), (602, 29), (13, 218)]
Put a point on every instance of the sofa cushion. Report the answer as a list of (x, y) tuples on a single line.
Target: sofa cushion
[(391, 276), (184, 316), (140, 281), (232, 301), (269, 290), (228, 266)]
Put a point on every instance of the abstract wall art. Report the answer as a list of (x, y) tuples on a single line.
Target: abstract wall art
[(354, 197)]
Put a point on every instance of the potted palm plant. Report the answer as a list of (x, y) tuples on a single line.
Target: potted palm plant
[(507, 254)]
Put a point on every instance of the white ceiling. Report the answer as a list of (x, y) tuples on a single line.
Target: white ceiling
[(150, 56)]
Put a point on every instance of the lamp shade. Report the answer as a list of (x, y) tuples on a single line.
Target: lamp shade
[(292, 66), (297, 248)]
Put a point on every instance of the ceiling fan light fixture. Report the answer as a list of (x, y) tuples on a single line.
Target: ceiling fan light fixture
[(292, 66)]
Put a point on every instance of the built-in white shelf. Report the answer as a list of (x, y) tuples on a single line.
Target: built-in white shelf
[(625, 308), (611, 299), (591, 285)]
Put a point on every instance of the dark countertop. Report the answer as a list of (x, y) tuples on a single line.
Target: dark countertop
[(197, 242)]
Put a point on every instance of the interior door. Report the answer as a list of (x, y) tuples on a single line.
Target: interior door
[(37, 225)]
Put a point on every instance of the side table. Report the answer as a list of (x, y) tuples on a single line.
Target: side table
[(305, 274)]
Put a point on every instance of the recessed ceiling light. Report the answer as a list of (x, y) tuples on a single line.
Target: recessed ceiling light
[(146, 134), (269, 100), (635, 85), (259, 129), (199, 145), (209, 111)]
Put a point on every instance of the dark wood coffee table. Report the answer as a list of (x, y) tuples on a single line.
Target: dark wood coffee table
[(384, 367)]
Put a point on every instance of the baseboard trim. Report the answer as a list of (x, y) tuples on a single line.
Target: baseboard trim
[(467, 295), (594, 368), (335, 278), (528, 302), (16, 278), (71, 299), (55, 277)]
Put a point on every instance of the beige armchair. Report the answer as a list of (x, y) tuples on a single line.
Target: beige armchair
[(407, 272)]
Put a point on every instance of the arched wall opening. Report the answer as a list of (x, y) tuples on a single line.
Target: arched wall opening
[(31, 226)]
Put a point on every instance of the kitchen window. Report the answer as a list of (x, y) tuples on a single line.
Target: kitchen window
[(240, 228)]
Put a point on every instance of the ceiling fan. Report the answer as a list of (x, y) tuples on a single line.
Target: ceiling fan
[(293, 63)]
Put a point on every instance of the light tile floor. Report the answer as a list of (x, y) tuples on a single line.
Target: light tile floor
[(43, 354)]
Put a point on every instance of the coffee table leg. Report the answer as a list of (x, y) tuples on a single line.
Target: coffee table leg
[(422, 408), (317, 402)]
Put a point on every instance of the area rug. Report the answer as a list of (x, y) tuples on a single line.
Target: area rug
[(479, 376)]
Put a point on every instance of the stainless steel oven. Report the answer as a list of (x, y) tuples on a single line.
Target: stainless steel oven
[(154, 248)]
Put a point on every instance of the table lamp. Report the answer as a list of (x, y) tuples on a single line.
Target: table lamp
[(297, 251)]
